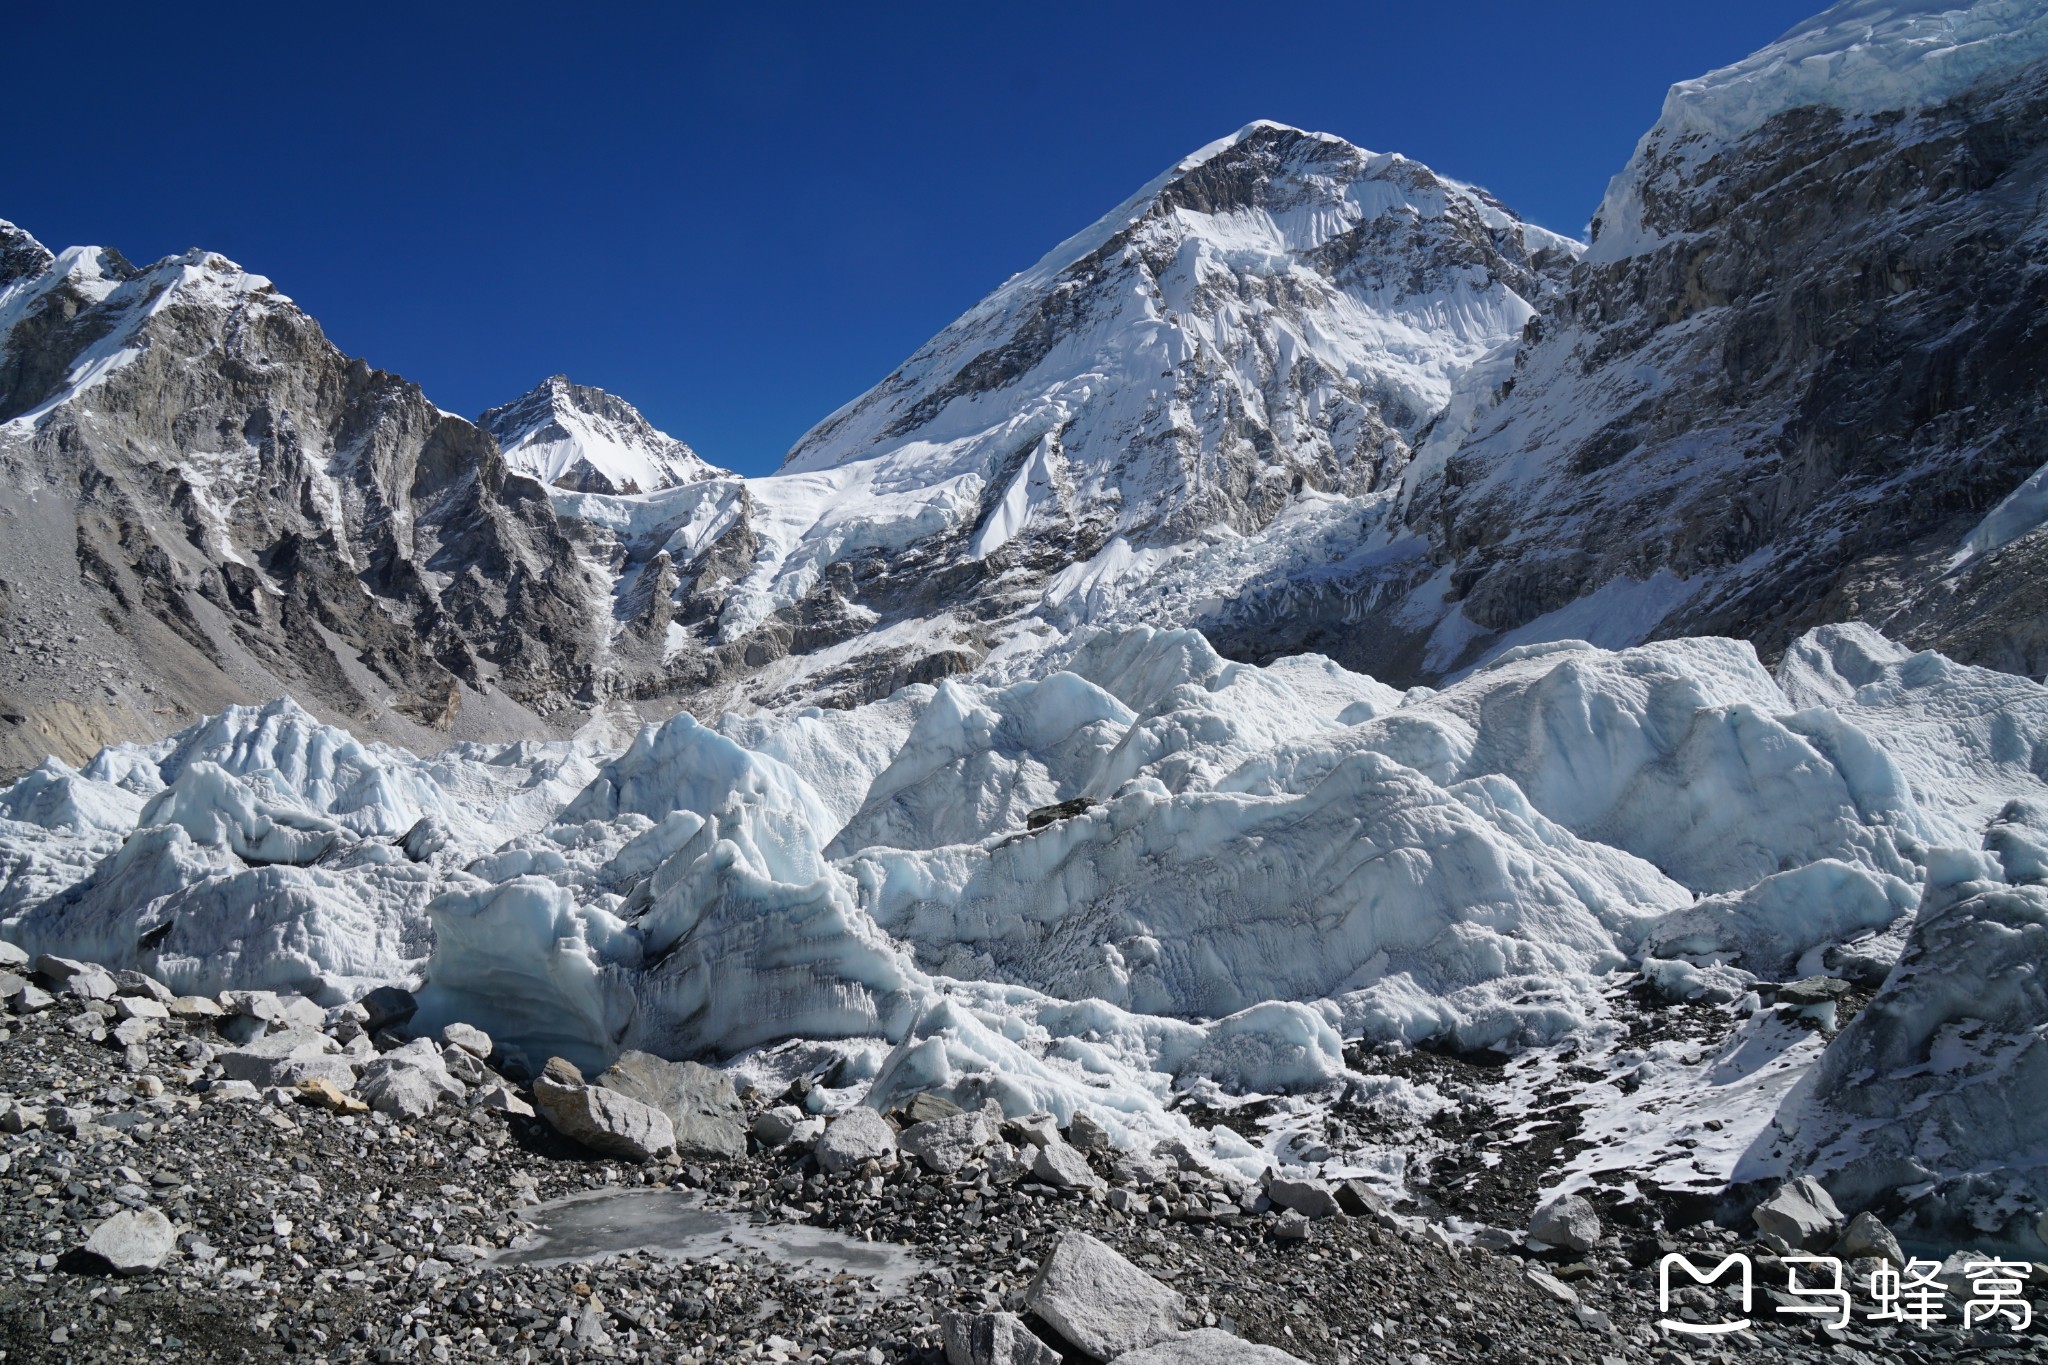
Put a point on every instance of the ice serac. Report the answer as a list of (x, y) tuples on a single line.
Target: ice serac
[(577, 437), (1798, 377), (1936, 1090), (1124, 871)]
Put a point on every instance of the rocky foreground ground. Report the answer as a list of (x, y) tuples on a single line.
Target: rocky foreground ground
[(255, 1177)]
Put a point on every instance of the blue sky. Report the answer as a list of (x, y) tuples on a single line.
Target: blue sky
[(739, 219)]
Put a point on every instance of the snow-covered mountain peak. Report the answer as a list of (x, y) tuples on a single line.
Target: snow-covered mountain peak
[(1280, 310), (577, 437), (1859, 57)]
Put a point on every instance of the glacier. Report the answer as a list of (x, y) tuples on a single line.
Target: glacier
[(1110, 876)]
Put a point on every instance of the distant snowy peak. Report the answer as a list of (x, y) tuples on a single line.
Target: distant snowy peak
[(1860, 57), (1279, 311), (577, 437)]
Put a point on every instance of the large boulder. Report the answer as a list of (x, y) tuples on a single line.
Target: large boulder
[(1061, 1166), (1099, 1302), (1867, 1235), (1568, 1223), (1309, 1198), (1801, 1214), (994, 1339), (600, 1118), (702, 1107), (408, 1082), (1209, 1346), (387, 1007), (133, 1241), (944, 1145), (469, 1038), (857, 1136)]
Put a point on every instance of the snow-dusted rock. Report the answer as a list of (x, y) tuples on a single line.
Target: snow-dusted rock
[(702, 1107), (1569, 1223), (1801, 1214), (12, 955), (1206, 1346), (857, 1136), (994, 1339), (1100, 1303), (601, 1119), (133, 1241), (1968, 989), (573, 436)]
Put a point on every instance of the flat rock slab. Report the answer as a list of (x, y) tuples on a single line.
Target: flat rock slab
[(1309, 1198), (702, 1107), (133, 1241), (1209, 1346), (604, 1120), (1099, 1302)]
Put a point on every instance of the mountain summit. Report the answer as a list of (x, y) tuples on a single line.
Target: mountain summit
[(1279, 311), (574, 436)]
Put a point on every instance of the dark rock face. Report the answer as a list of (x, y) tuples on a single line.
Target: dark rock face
[(227, 508), (1797, 398)]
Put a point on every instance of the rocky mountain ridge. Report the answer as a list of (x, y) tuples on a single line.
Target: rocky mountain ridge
[(1292, 393), (208, 501)]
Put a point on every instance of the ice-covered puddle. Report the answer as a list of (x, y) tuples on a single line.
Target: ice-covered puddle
[(676, 1224)]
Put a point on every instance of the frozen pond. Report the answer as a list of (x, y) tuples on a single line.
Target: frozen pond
[(675, 1223)]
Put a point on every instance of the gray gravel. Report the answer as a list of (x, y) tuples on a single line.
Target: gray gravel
[(303, 1230)]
